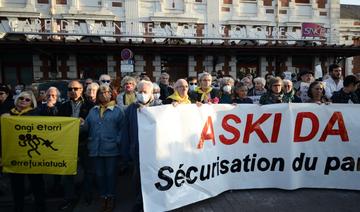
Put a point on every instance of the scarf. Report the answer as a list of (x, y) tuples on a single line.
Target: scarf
[(129, 98), (204, 94), (181, 100), (104, 107), (19, 113)]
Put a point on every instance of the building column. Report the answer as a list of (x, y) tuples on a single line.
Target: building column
[(349, 66), (71, 68), (263, 64), (232, 65), (139, 64), (37, 65), (157, 66), (64, 68), (191, 66), (209, 63), (30, 5)]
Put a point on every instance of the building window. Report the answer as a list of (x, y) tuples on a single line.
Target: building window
[(302, 62), (117, 4), (17, 69), (302, 1), (43, 1), (61, 1), (91, 66), (267, 2), (198, 1), (227, 1)]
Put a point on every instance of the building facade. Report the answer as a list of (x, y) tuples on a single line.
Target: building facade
[(69, 39)]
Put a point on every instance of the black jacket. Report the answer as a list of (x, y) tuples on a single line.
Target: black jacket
[(342, 97)]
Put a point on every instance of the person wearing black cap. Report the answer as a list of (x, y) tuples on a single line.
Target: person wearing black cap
[(347, 93), (306, 77), (6, 101)]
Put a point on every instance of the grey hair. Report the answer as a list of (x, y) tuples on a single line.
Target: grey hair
[(226, 80), (287, 81), (204, 74), (58, 94), (128, 79), (144, 82), (155, 86), (260, 80), (104, 75), (91, 86)]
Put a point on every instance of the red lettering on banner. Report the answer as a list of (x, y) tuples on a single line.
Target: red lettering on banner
[(255, 127), (227, 127), (276, 128), (205, 135), (336, 117), (299, 123)]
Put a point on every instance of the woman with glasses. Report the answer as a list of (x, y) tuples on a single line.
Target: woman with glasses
[(274, 94), (25, 105), (205, 93), (290, 92), (180, 95), (105, 124)]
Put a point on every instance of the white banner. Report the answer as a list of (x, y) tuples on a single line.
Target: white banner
[(190, 153)]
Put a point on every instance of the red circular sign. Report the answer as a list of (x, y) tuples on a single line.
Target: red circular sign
[(126, 54)]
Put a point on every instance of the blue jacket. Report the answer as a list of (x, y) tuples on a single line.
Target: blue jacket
[(106, 133)]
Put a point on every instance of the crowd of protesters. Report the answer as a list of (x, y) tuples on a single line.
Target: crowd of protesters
[(109, 128)]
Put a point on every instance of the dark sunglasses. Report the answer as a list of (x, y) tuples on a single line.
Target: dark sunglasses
[(21, 98), (192, 83), (73, 89), (105, 81)]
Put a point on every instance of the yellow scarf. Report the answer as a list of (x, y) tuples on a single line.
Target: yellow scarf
[(104, 107), (181, 100), (129, 98), (204, 94), (15, 112)]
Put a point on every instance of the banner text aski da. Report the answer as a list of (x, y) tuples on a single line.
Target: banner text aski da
[(254, 126)]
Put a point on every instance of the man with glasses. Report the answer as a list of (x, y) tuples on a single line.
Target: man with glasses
[(74, 107), (165, 89), (192, 81), (104, 79)]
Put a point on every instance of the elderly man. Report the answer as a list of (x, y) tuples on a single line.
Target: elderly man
[(74, 107), (334, 82), (180, 95), (52, 103), (144, 98), (104, 79), (165, 89)]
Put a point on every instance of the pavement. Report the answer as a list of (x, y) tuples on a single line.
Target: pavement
[(277, 200)]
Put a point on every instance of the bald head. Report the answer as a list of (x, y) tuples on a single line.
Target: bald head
[(182, 87)]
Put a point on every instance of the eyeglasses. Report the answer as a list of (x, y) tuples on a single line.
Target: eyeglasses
[(21, 98), (73, 89), (105, 81), (192, 83), (2, 93)]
